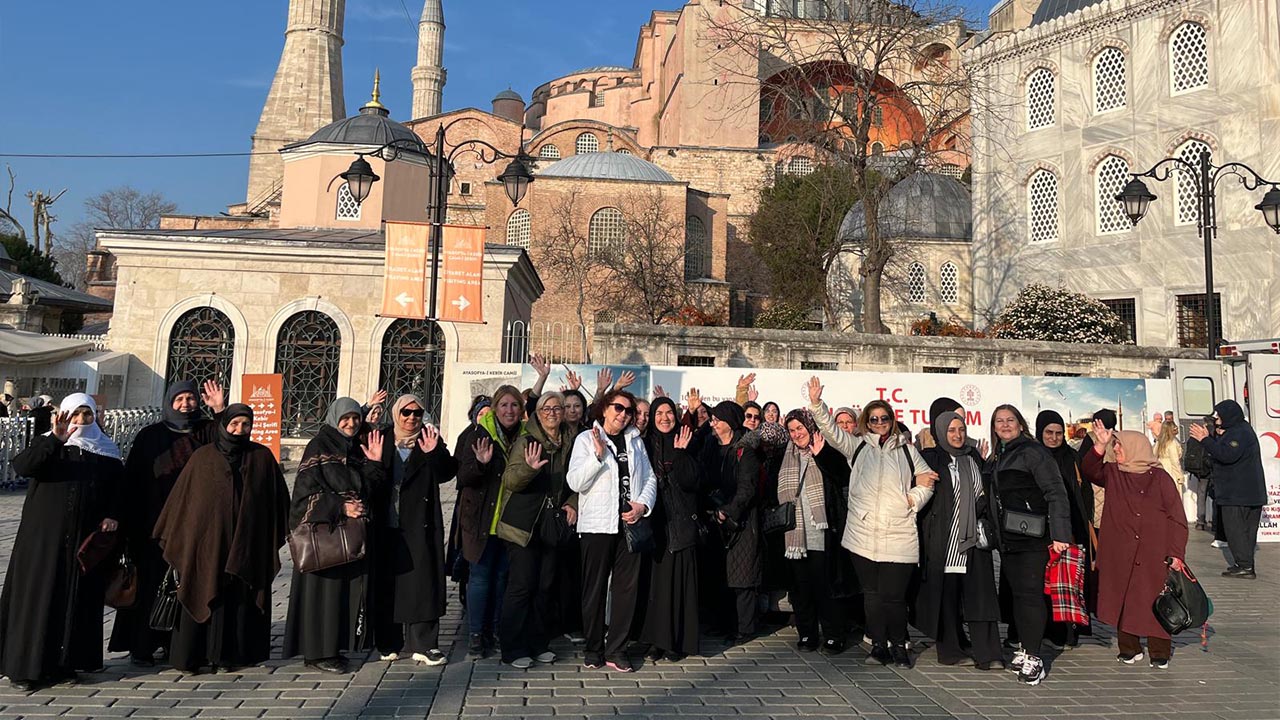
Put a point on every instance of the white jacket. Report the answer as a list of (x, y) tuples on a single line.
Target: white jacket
[(596, 481), (881, 524)]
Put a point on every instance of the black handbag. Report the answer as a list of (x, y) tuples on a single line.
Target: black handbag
[(639, 535), (1020, 522), (781, 517), (553, 526), (164, 613), (1182, 604)]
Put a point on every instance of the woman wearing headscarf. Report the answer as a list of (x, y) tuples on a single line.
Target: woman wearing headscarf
[(1052, 434), (1146, 535), (671, 614), (336, 478), (483, 451), (51, 608), (158, 455), (925, 438), (731, 478), (42, 414), (812, 548), (957, 578), (221, 531), (409, 592)]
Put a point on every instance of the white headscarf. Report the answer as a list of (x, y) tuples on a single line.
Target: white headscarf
[(88, 438)]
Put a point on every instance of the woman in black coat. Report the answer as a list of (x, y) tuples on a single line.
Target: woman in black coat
[(957, 576), (51, 610), (1051, 433), (336, 478)]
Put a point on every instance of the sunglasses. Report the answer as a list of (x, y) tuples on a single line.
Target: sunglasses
[(624, 409), (406, 412), (877, 419), (753, 416)]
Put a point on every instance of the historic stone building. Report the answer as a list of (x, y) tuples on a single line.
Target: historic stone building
[(1094, 90)]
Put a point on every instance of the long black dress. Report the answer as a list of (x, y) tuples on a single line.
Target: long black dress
[(327, 612), (51, 613)]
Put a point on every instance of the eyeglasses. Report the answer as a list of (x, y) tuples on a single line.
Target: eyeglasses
[(878, 419), (556, 410), (406, 412), (624, 409)]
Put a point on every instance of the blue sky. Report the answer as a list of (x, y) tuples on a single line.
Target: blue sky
[(159, 76)]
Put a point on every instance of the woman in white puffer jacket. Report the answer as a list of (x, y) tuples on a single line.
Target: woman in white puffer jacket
[(888, 484)]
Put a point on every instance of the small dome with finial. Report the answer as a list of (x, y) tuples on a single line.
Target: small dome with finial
[(373, 126)]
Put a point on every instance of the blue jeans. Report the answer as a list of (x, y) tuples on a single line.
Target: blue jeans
[(486, 586)]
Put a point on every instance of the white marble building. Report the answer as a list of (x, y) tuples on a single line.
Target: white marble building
[(1075, 94)]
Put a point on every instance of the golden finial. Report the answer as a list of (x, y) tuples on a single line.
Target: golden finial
[(377, 90)]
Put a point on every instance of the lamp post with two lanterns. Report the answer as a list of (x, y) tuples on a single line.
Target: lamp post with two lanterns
[(1136, 199)]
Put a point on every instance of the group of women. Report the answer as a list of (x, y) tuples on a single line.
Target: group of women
[(619, 521)]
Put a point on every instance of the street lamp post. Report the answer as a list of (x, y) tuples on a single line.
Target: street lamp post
[(515, 180), (1136, 199)]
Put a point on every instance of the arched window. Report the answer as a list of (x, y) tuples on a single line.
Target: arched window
[(697, 251), (201, 347), (877, 148), (1042, 206), (915, 283), (1040, 99), (1110, 85), (623, 151), (549, 152), (606, 232), (877, 116), (410, 366), (586, 143), (1188, 58), (348, 208), (308, 348), (1108, 180), (799, 165), (949, 283), (1187, 209), (519, 228)]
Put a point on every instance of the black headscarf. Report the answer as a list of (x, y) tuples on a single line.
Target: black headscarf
[(231, 446), (180, 421), (1108, 418), (1230, 413), (729, 412), (661, 444), (1045, 419)]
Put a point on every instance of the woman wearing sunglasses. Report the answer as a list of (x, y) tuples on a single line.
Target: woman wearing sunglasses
[(888, 484), (609, 469)]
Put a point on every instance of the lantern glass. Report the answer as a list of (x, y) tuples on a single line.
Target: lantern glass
[(1270, 208), (1136, 199), (360, 178)]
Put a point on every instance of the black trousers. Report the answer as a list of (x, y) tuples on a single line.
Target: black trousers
[(603, 555), (1024, 574), (1240, 525), (420, 637), (745, 608), (811, 598), (527, 608), (984, 636), (884, 596)]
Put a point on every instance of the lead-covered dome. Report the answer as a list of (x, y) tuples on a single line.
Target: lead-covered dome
[(607, 166), (923, 206)]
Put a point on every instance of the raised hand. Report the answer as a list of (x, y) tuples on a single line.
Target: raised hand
[(540, 365), (373, 447), (598, 441), (574, 380), (109, 525), (604, 379), (214, 396), (984, 448), (62, 426), (658, 392), (817, 443), (624, 380), (693, 399), (745, 381), (429, 439), (377, 398), (752, 393), (1104, 437), (533, 456), (483, 448), (1198, 431), (815, 390), (683, 437)]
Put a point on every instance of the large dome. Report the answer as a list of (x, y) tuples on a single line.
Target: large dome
[(607, 166), (371, 127), (924, 206)]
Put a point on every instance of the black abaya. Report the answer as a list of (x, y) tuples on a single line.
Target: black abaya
[(237, 633), (671, 620)]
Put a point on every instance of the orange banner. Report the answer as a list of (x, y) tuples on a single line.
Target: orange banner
[(462, 274), (404, 272), (263, 394)]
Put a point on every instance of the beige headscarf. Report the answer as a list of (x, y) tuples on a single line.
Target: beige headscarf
[(1138, 456), (403, 439)]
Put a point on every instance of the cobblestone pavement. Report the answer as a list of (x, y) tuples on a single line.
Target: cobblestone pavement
[(1235, 676)]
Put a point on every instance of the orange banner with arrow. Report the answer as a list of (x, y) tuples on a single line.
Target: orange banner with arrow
[(404, 274), (462, 274)]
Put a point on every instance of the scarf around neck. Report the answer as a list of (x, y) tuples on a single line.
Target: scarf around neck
[(173, 419), (968, 483), (88, 438), (799, 465), (231, 446), (1138, 457)]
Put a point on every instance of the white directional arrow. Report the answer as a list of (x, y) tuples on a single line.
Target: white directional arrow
[(462, 303), (404, 299)]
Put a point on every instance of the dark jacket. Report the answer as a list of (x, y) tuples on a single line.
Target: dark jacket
[(734, 478), (531, 489), (479, 488), (1237, 459), (675, 518), (1026, 478)]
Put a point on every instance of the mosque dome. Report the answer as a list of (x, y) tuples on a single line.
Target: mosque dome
[(371, 126), (607, 166), (924, 206), (508, 94)]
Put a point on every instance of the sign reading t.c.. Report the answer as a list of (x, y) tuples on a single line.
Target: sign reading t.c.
[(462, 274)]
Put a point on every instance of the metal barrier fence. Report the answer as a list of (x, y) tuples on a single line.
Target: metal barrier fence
[(557, 342), (16, 434)]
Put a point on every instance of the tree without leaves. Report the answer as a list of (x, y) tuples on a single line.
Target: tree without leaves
[(563, 258), (6, 213), (121, 207)]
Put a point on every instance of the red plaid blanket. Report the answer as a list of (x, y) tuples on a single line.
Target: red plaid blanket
[(1064, 584)]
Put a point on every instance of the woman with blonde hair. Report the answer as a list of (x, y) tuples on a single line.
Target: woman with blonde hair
[(1169, 452)]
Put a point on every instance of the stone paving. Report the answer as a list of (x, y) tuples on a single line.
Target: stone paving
[(1235, 675)]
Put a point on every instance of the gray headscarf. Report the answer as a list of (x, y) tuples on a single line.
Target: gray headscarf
[(342, 406)]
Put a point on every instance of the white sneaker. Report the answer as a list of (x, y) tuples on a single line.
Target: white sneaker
[(389, 657), (522, 663), (1018, 659), (1032, 670), (433, 657), (575, 638), (546, 658), (1130, 659)]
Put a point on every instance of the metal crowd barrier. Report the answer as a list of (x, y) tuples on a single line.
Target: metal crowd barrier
[(16, 434)]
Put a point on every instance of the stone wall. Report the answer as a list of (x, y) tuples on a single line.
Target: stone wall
[(755, 348)]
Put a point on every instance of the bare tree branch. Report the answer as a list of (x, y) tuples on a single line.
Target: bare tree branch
[(7, 213)]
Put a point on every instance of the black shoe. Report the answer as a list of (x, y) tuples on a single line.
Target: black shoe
[(655, 654), (1240, 572), (1231, 571), (1200, 525), (620, 664), (336, 665), (832, 647), (23, 685), (475, 648), (65, 677), (142, 661), (991, 665), (901, 656), (593, 661), (807, 644), (736, 640), (675, 657), (879, 655)]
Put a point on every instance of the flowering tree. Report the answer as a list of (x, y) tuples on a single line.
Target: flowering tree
[(1040, 312)]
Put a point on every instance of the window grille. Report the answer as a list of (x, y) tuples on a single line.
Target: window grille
[(819, 365), (1192, 324), (1109, 80), (348, 208), (695, 361), (597, 98), (1040, 99), (606, 232), (1188, 58), (1127, 309), (308, 349), (201, 347), (915, 283), (1042, 198), (408, 366), (623, 151), (940, 370), (1109, 179), (1187, 209), (519, 228), (949, 283), (799, 165), (697, 252), (586, 143), (549, 152)]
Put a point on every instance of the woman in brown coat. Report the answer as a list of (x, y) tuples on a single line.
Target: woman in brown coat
[(1146, 534)]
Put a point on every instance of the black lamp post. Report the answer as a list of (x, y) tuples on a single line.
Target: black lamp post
[(1136, 199)]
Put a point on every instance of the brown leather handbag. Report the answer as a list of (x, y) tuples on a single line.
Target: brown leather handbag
[(320, 545), (122, 585)]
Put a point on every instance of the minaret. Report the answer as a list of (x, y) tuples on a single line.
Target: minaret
[(429, 74), (306, 93)]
